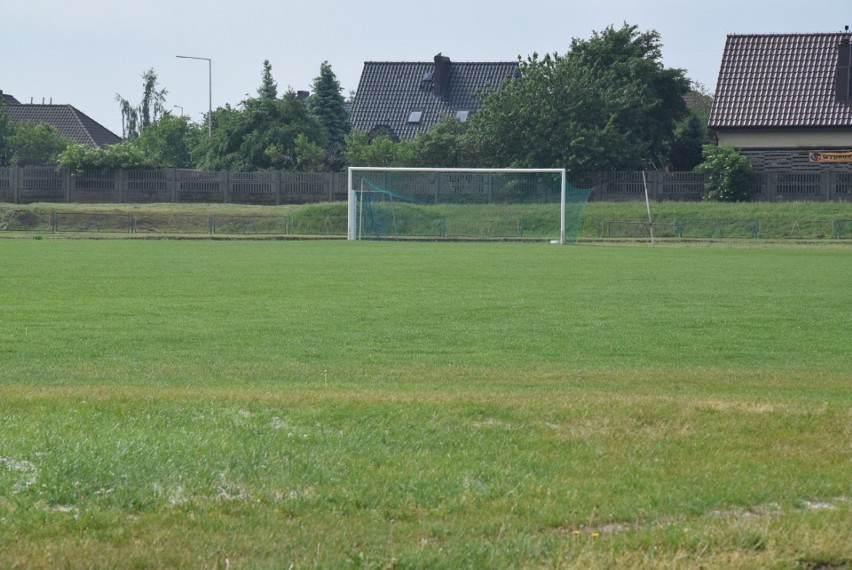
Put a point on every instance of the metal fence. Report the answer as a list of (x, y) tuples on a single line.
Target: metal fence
[(693, 228), (330, 224), (166, 224), (26, 185)]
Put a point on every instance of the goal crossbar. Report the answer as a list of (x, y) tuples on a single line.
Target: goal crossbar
[(352, 233)]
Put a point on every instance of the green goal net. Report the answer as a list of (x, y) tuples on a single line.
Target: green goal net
[(464, 204)]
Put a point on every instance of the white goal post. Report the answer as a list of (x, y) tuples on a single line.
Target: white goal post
[(358, 174)]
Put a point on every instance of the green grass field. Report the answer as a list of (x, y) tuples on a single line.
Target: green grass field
[(390, 405)]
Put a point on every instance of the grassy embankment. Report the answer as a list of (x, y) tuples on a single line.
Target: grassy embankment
[(624, 220)]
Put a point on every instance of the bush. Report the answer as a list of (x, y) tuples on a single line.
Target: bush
[(730, 177), (125, 155)]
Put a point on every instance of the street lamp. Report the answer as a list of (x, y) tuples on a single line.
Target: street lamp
[(179, 107), (210, 91)]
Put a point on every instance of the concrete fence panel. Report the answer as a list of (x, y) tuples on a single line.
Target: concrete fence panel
[(25, 185)]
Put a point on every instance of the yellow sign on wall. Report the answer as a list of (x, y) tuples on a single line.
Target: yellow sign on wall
[(830, 157)]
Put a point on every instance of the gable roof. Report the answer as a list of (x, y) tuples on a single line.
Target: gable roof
[(8, 99), (68, 120), (389, 92), (780, 80)]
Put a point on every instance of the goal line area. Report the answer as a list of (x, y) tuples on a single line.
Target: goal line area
[(475, 204)]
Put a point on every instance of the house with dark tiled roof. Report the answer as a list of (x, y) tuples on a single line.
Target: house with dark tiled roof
[(785, 100), (404, 99), (67, 119), (8, 99)]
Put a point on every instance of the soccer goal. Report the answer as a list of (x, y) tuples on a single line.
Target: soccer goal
[(510, 204)]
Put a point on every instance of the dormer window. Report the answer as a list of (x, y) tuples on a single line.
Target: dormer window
[(415, 116)]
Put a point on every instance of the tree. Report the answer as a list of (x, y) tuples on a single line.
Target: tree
[(169, 141), (730, 176), (327, 104), (152, 106), (607, 104), (444, 145), (699, 101), (6, 131), (309, 156), (166, 143), (153, 100), (35, 143), (261, 135), (686, 152), (129, 118), (268, 87), (382, 150)]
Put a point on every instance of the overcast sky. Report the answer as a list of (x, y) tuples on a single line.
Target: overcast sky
[(84, 52)]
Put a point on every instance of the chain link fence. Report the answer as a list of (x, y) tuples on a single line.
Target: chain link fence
[(170, 224), (331, 225), (693, 228)]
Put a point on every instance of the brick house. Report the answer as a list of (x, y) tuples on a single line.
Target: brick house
[(784, 101)]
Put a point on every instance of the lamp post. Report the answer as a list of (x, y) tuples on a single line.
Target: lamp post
[(179, 107), (210, 90)]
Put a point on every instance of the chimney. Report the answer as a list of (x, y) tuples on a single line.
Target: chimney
[(441, 75), (844, 59)]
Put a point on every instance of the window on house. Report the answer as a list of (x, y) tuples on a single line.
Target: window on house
[(462, 115), (415, 116)]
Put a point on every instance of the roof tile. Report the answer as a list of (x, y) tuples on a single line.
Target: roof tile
[(779, 80), (389, 91), (68, 120)]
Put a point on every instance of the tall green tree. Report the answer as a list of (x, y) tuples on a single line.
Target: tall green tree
[(699, 101), (150, 108), (328, 105), (686, 151), (607, 104), (169, 141), (268, 87), (262, 134)]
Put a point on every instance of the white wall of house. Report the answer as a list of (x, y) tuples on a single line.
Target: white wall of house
[(779, 138)]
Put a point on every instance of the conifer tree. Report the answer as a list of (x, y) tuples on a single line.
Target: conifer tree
[(268, 88), (327, 104)]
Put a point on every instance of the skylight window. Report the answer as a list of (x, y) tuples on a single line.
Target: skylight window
[(415, 116), (462, 115)]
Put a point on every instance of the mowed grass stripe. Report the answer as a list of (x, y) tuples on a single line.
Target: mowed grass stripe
[(425, 405), (216, 311)]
